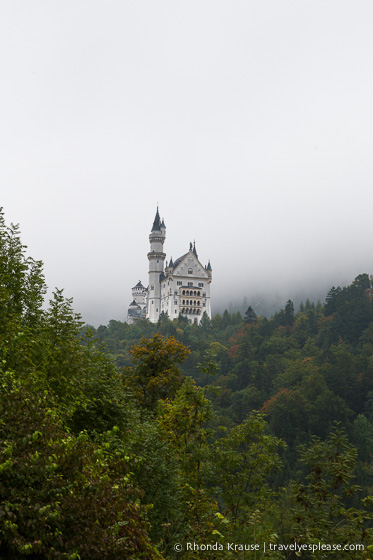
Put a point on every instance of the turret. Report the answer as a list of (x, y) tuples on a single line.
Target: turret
[(169, 267), (209, 271), (139, 293), (156, 258)]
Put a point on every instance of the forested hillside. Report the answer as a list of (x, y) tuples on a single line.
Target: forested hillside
[(183, 441)]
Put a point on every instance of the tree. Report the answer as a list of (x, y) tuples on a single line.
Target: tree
[(62, 406), (22, 288), (250, 316), (289, 313), (320, 513), (285, 317), (62, 496), (156, 373), (330, 305), (205, 323), (184, 423), (244, 459)]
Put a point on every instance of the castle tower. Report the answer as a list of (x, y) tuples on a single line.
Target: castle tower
[(156, 258)]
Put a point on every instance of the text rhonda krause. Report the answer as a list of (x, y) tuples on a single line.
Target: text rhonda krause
[(220, 546), (313, 547)]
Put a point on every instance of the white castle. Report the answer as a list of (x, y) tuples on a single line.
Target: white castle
[(181, 288)]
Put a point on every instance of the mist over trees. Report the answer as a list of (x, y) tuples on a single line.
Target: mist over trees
[(131, 441)]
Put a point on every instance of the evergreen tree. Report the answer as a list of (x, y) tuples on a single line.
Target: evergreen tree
[(250, 316), (289, 314), (330, 305)]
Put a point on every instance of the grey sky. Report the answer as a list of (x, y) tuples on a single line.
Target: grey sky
[(249, 122)]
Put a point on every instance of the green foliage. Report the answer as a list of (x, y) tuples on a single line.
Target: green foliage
[(184, 423), (319, 512), (60, 494), (244, 458), (64, 492), (96, 463), (156, 373)]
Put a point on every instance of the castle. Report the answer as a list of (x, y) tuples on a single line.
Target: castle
[(180, 288)]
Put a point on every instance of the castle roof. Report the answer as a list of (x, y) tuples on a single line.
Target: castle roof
[(134, 304), (209, 266), (138, 285), (157, 222), (178, 261)]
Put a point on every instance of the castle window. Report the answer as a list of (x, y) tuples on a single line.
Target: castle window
[(199, 293), (190, 283), (179, 283), (175, 292), (203, 304), (198, 303), (190, 270), (183, 292), (183, 301), (200, 284), (152, 287), (175, 302), (195, 293)]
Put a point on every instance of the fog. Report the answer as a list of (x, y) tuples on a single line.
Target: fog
[(250, 124)]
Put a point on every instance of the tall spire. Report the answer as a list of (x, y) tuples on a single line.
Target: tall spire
[(195, 250), (157, 222)]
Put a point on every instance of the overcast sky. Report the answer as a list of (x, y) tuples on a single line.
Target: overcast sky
[(250, 123)]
